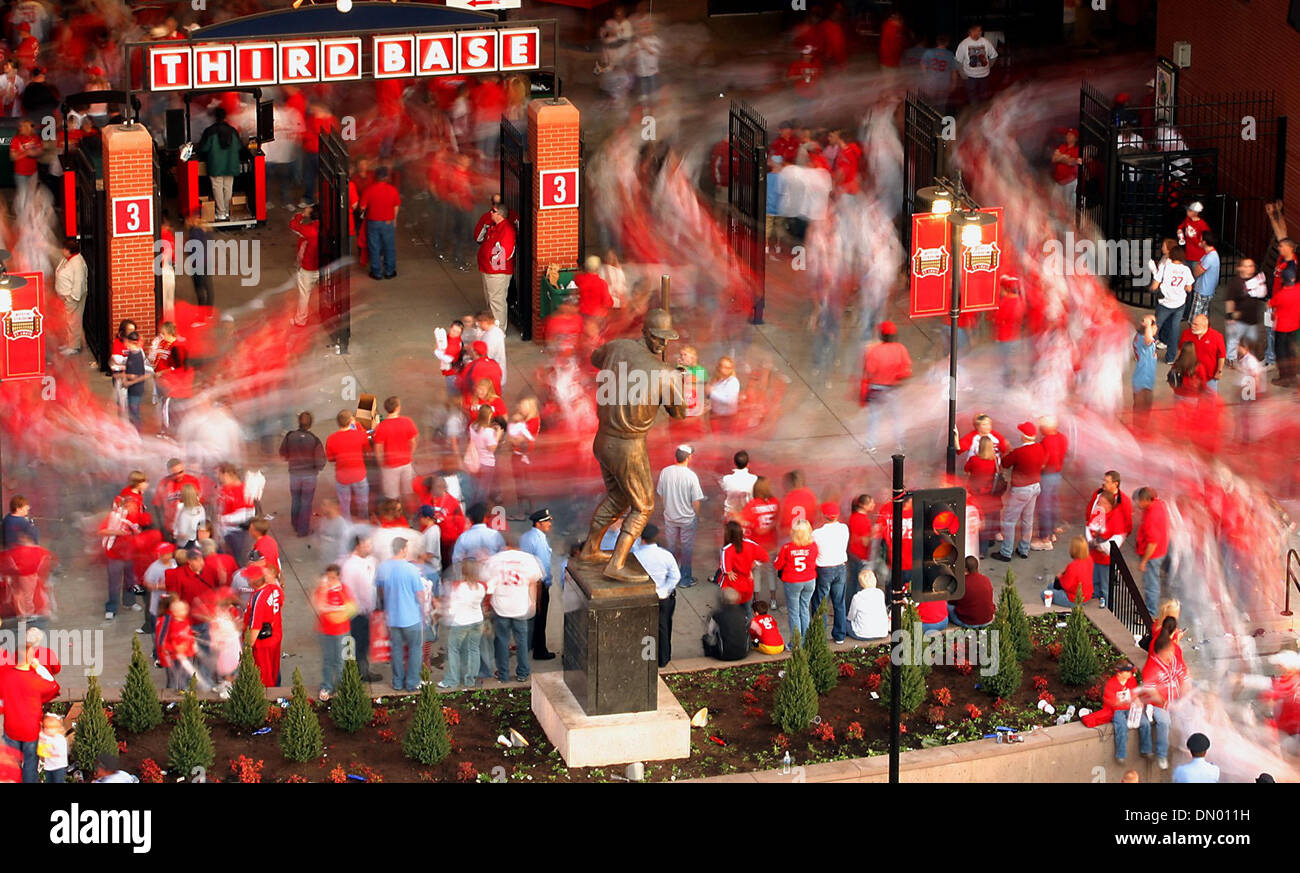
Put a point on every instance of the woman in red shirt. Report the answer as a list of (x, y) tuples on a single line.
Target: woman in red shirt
[(1076, 579), (758, 519), (1118, 697), (739, 556), (1164, 676), (981, 473), (1188, 376), (797, 565), (334, 610)]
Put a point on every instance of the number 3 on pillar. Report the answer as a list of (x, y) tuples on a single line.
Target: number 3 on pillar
[(133, 216), (559, 189)]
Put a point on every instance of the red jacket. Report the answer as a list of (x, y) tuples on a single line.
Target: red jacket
[(1008, 317), (976, 605), (1056, 446), (1154, 529), (174, 639), (496, 254), (1076, 576), (23, 695), (884, 364), (308, 242), (1286, 306), (1116, 697), (594, 299), (1026, 464), (742, 564)]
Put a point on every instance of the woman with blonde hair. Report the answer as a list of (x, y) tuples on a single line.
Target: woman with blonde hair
[(796, 564), (1075, 581), (185, 528)]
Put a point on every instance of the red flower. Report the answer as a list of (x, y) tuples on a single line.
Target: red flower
[(150, 771), (387, 736), (749, 697), (999, 705), (274, 712), (466, 772), (108, 713), (338, 774), (121, 747), (973, 711), (246, 770), (854, 731), (1054, 650), (872, 683), (824, 731), (782, 741), (882, 662), (753, 710), (764, 682), (943, 697), (847, 670), (902, 728), (295, 777), (1048, 696), (1093, 692), (1040, 684), (936, 715), (450, 715), (381, 717), (964, 669)]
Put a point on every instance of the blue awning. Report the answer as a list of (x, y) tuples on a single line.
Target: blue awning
[(326, 19)]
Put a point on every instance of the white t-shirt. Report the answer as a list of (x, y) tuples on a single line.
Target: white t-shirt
[(431, 543), (738, 488), (724, 396), (358, 576), (465, 603), (832, 541), (1174, 281), (867, 616), (485, 440), (976, 57), (382, 541), (53, 750), (510, 576), (679, 488)]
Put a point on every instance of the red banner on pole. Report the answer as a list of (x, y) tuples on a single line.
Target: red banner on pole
[(930, 266), (981, 264), (22, 329)]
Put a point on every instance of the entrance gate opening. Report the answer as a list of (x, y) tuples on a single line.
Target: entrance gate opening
[(334, 241), (747, 198), (92, 234), (517, 198)]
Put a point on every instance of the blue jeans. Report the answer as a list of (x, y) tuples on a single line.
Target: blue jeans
[(936, 626), (28, 750), (1101, 581), (1061, 598), (381, 241), (486, 657), (1120, 721), (1167, 324), (880, 403), (302, 491), (1020, 504), (406, 654), (360, 632), (504, 628), (121, 577), (1048, 515), (679, 539), (133, 408), (331, 653), (1151, 582), (1236, 331), (953, 619), (798, 600), (353, 496), (1161, 718), (830, 583), (462, 654)]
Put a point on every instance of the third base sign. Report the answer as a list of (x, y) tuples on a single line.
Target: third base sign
[(559, 189)]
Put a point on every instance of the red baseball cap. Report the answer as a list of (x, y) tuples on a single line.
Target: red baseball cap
[(830, 510), (164, 548), (1028, 428), (480, 348), (888, 328)]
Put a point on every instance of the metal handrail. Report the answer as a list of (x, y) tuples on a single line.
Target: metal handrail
[(1291, 579), (1126, 599)]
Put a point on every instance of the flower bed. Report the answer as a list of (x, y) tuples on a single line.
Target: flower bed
[(740, 735)]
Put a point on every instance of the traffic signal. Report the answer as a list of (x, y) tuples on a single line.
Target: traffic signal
[(938, 557)]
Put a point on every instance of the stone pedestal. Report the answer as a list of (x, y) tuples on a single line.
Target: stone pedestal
[(611, 632), (599, 741)]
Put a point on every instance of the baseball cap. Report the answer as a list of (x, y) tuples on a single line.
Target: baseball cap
[(888, 328), (685, 449), (164, 549), (540, 516), (427, 511), (253, 574), (1028, 428), (1124, 667), (830, 510), (479, 347), (660, 324), (255, 555)]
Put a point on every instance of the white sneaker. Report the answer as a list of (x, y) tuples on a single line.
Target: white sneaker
[(135, 607), (108, 616), (1160, 347), (1162, 763)]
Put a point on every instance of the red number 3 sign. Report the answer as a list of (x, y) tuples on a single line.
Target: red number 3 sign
[(559, 189), (133, 216)]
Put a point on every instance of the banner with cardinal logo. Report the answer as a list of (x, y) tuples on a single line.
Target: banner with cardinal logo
[(22, 329), (930, 265)]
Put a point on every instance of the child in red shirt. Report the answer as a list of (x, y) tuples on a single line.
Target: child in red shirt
[(175, 643), (763, 632)]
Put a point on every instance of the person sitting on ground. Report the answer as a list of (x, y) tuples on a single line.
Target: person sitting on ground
[(763, 632), (1075, 581), (975, 608), (727, 635), (868, 617)]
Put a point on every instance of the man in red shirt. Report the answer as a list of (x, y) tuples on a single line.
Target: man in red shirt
[(481, 367), (1055, 446), (1211, 350), (380, 203), (263, 627), (1008, 319), (1285, 303), (786, 145), (975, 608), (969, 445), (892, 38), (805, 72), (346, 448), (496, 262), (1065, 166), (860, 530), (394, 440), (594, 299), (1026, 465), (1152, 544), (191, 579), (885, 366), (24, 149), (26, 567), (1118, 525), (799, 503), (848, 159), (167, 498), (24, 690), (306, 227), (485, 221), (1191, 231)]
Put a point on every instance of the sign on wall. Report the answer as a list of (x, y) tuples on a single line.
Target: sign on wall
[(559, 189), (930, 266), (22, 329), (132, 216)]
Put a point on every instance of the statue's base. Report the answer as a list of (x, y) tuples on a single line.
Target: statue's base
[(611, 636), (601, 740)]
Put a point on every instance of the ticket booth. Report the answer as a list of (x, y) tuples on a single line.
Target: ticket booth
[(194, 188)]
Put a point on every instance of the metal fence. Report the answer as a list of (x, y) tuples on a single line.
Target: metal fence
[(923, 154), (517, 198), (334, 241), (747, 198), (1126, 600), (92, 234)]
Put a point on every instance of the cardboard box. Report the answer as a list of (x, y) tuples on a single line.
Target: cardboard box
[(239, 200), (367, 411), (207, 209)]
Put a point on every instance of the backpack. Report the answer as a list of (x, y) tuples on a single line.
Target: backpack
[(1175, 378)]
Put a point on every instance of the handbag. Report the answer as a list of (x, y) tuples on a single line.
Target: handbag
[(999, 483), (470, 460), (381, 646)]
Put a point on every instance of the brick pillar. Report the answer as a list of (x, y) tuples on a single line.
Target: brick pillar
[(552, 145), (128, 172)]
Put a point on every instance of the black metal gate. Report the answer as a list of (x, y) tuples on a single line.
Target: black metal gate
[(747, 198), (334, 241), (517, 198), (923, 154), (1142, 167), (92, 234), (158, 309)]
